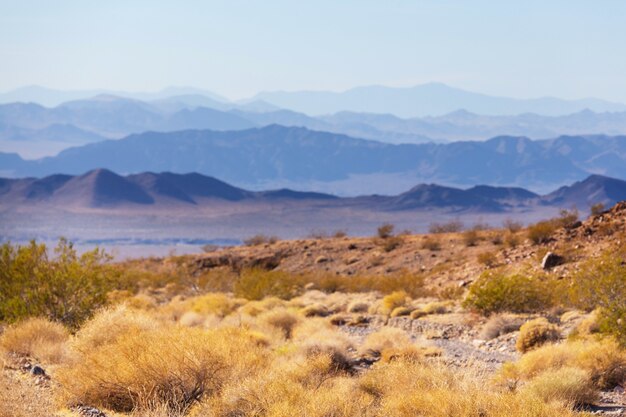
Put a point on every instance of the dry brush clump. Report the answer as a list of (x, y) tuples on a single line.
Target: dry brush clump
[(535, 333), (37, 338), (172, 367), (604, 361)]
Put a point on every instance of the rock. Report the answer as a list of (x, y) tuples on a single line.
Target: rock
[(551, 260), (321, 260), (37, 370)]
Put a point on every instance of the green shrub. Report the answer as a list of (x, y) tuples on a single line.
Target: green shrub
[(66, 287), (601, 283), (255, 284), (518, 293)]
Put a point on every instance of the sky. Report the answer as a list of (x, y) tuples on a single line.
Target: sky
[(236, 48)]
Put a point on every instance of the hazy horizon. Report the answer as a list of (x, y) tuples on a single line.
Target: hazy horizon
[(237, 49)]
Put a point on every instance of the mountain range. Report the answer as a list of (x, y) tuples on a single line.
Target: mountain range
[(35, 131), (431, 99), (327, 162), (147, 191)]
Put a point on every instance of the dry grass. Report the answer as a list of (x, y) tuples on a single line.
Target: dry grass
[(535, 333), (499, 325), (37, 338), (569, 386), (173, 367), (604, 361)]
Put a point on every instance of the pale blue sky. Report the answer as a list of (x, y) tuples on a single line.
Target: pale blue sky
[(565, 48)]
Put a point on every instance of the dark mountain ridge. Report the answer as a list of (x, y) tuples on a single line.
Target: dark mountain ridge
[(299, 156), (103, 188)]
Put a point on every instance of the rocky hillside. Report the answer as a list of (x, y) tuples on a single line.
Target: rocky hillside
[(444, 258)]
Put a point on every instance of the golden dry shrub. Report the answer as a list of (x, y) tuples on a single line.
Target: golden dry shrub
[(489, 259), (38, 338), (570, 386), (315, 310), (498, 325), (218, 304), (301, 385), (392, 301), (171, 367), (604, 360), (437, 307), (109, 324), (256, 307), (281, 319), (358, 307), (535, 333), (541, 232), (404, 388), (400, 311)]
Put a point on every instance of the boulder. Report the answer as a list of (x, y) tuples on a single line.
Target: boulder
[(551, 260)]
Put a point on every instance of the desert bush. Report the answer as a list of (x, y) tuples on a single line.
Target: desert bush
[(283, 320), (38, 338), (597, 209), (257, 240), (437, 307), (601, 283), (394, 300), (488, 259), (109, 324), (435, 391), (519, 293), (496, 237), (315, 310), (385, 231), (603, 360), (512, 226), (471, 237), (218, 304), (535, 333), (255, 284), (451, 292), (400, 311), (511, 240), (413, 284), (391, 243), (171, 368), (541, 232), (453, 226), (67, 287), (358, 307), (498, 325), (387, 338), (571, 386), (567, 218), (417, 313), (340, 234), (431, 244)]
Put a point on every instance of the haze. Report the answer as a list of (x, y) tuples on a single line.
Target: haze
[(567, 49)]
